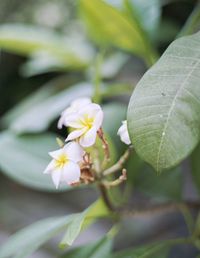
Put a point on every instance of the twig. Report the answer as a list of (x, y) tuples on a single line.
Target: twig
[(116, 182), (119, 165), (105, 144)]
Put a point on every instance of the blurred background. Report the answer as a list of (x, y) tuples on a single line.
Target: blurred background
[(48, 57)]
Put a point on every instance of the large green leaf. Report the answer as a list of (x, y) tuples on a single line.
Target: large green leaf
[(37, 117), (24, 159), (28, 40), (26, 241), (114, 28), (163, 113)]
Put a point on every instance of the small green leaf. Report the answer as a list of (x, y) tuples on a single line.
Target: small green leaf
[(83, 220), (163, 113), (99, 249), (24, 158), (114, 27)]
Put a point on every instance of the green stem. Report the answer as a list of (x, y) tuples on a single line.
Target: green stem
[(105, 197), (97, 78)]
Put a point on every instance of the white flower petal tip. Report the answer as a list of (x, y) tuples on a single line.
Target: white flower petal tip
[(123, 133), (85, 122), (64, 167), (75, 106)]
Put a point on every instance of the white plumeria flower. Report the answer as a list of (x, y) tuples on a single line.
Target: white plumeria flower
[(123, 133), (85, 123), (64, 166), (75, 106)]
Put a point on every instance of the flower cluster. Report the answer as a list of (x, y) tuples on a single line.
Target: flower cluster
[(71, 164)]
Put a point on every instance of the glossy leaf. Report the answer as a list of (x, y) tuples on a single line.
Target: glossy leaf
[(24, 159), (114, 28), (163, 113)]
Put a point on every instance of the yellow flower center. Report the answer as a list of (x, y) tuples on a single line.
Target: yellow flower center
[(87, 122), (61, 161)]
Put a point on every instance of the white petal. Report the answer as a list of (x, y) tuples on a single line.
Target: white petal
[(123, 133), (56, 177), (71, 173), (50, 167), (73, 120), (91, 110), (74, 151), (89, 138), (75, 134), (98, 119), (80, 103), (56, 154)]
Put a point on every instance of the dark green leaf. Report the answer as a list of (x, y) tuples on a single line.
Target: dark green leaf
[(166, 186), (163, 114), (195, 165)]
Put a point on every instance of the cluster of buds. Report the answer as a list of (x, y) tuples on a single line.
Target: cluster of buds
[(72, 164)]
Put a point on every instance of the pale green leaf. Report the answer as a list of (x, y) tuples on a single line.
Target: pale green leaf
[(37, 118), (26, 241), (163, 113), (32, 237), (28, 40), (148, 13), (83, 220), (24, 159), (114, 28)]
